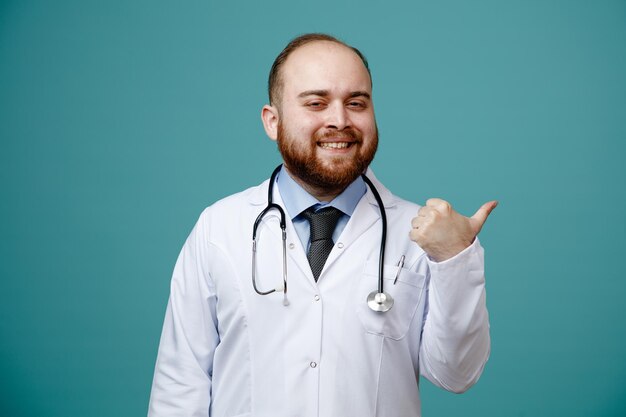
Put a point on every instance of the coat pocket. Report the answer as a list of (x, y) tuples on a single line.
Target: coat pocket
[(406, 292)]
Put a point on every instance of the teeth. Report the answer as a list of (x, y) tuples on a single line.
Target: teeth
[(335, 145)]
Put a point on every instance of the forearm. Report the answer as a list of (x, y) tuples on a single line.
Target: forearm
[(455, 340)]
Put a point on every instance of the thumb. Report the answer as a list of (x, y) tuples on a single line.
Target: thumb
[(480, 217)]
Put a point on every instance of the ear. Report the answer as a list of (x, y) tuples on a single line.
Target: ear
[(269, 116)]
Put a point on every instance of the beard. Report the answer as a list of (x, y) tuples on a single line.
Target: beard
[(301, 159)]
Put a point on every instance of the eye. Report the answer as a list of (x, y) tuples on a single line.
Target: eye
[(357, 105), (315, 105)]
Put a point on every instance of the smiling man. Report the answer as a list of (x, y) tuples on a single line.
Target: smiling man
[(312, 320), (322, 115)]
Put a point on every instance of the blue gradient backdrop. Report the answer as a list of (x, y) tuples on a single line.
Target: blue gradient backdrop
[(121, 120)]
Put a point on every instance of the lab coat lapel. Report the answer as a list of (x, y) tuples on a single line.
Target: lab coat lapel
[(295, 251), (365, 215)]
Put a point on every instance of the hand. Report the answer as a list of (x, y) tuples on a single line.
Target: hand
[(444, 233)]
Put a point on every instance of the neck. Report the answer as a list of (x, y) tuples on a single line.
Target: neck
[(325, 194)]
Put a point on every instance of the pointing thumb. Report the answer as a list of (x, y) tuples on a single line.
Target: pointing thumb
[(482, 213)]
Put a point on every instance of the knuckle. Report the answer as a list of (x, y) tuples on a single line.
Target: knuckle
[(439, 204)]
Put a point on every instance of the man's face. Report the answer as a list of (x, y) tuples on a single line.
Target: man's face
[(327, 132)]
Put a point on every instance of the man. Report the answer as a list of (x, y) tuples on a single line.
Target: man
[(318, 349)]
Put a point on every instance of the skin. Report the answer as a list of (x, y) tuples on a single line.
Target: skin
[(442, 232), (326, 95), (327, 92)]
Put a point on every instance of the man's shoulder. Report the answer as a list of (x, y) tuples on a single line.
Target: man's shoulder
[(402, 202), (402, 208), (252, 196), (390, 199)]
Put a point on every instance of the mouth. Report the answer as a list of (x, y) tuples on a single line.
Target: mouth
[(335, 145)]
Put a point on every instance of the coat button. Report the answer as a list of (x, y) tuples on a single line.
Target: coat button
[(313, 364), (340, 245), (316, 298), (291, 246)]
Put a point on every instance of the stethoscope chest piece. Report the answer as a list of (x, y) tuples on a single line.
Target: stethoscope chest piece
[(379, 301)]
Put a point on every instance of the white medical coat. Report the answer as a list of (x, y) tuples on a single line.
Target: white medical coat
[(226, 351)]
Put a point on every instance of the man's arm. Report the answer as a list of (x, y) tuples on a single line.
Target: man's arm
[(455, 339), (183, 372)]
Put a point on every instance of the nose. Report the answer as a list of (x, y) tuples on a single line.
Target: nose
[(338, 117)]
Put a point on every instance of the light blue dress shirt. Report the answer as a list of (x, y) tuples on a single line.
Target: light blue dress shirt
[(297, 199)]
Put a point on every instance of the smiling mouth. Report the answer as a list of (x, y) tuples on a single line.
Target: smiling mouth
[(335, 145)]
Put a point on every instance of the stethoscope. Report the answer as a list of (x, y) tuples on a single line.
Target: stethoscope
[(377, 300)]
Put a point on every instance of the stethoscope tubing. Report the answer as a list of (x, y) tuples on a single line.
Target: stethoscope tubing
[(383, 235), (374, 297), (283, 227)]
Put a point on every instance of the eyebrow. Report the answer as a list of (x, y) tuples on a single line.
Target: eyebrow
[(325, 93)]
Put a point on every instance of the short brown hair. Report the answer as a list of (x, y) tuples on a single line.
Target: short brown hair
[(274, 82)]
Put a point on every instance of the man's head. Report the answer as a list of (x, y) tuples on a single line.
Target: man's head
[(274, 82), (321, 113)]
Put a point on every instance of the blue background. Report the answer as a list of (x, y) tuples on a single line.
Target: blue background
[(120, 121)]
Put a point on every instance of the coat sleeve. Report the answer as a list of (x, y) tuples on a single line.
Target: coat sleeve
[(183, 372), (455, 339)]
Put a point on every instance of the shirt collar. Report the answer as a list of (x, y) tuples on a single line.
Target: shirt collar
[(296, 199)]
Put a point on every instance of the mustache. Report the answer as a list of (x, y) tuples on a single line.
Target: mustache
[(346, 134)]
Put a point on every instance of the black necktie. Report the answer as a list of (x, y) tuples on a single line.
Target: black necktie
[(322, 224)]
